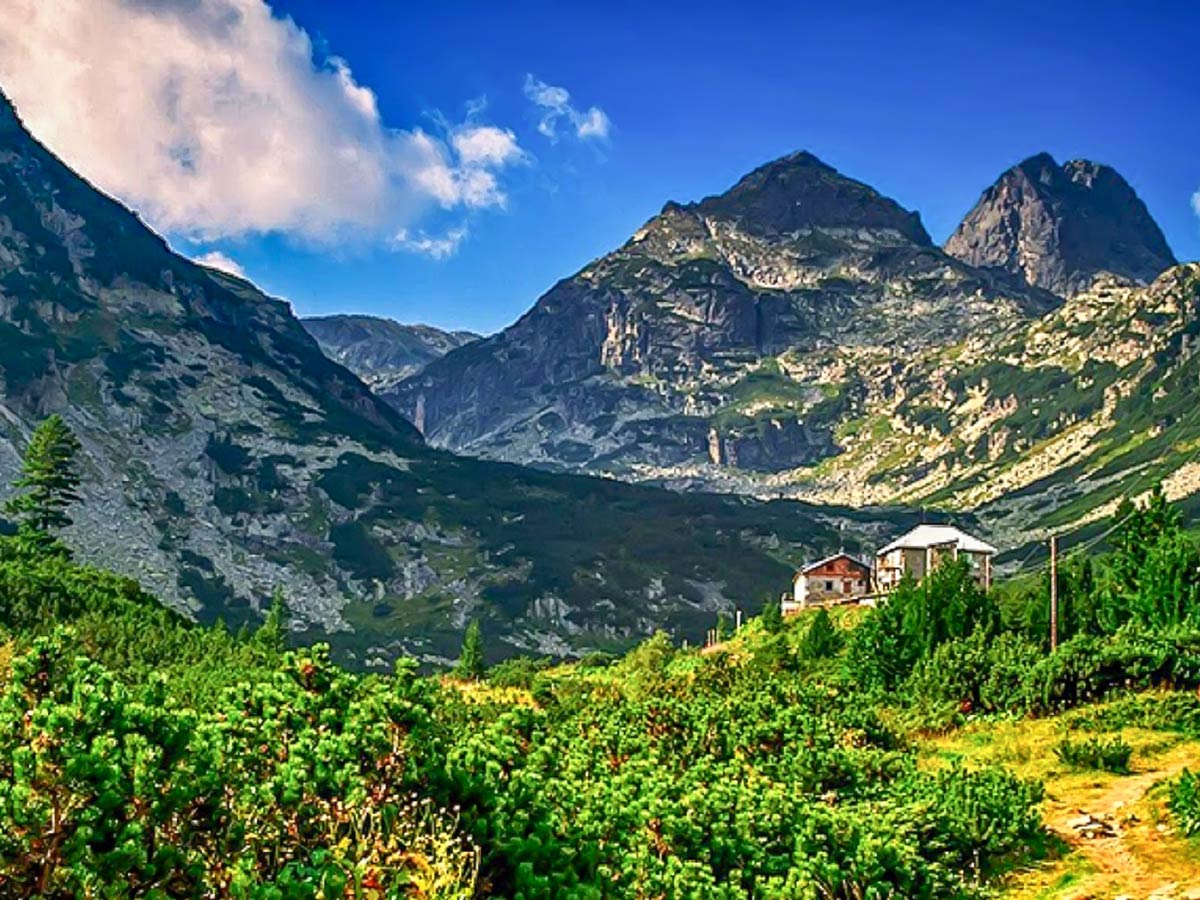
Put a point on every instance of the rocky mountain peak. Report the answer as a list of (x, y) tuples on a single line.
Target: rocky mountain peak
[(1058, 227), (799, 192)]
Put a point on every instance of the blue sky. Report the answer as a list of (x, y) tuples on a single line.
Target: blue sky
[(928, 103)]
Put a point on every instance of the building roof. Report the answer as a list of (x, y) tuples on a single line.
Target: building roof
[(924, 536), (804, 570)]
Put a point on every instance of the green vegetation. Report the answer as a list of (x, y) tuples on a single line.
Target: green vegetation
[(48, 484), (1111, 755), (470, 660), (1185, 802), (143, 756)]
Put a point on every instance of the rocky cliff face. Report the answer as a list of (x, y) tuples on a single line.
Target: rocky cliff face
[(799, 336), (380, 351), (225, 456), (1058, 227), (682, 346)]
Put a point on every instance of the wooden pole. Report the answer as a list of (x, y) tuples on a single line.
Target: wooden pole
[(1053, 593)]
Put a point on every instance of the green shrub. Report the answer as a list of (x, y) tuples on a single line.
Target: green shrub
[(292, 787), (1178, 712), (518, 672), (1184, 802), (980, 673), (771, 616), (1110, 755), (1088, 668)]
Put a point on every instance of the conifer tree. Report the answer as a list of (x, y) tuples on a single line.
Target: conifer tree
[(271, 635), (470, 659), (48, 484), (822, 638), (772, 616)]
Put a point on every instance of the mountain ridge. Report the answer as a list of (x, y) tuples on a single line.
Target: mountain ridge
[(657, 334), (750, 350), (380, 351)]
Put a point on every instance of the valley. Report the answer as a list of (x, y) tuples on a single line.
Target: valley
[(541, 451), (228, 460)]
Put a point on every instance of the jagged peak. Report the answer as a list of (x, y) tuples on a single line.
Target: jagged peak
[(800, 191), (1037, 163), (1059, 226)]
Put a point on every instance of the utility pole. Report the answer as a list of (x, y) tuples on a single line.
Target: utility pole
[(1053, 593)]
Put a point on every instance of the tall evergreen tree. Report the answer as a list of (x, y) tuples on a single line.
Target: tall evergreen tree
[(822, 638), (48, 484), (771, 616), (470, 659)]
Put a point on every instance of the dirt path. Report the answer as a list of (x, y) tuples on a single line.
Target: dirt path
[(1145, 858)]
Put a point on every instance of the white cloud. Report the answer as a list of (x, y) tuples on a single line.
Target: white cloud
[(215, 118), (435, 247), (1196, 202), (486, 145), (215, 259), (554, 104)]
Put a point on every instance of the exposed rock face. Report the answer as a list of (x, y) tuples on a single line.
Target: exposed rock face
[(799, 337), (380, 351), (1058, 227), (225, 456), (634, 362)]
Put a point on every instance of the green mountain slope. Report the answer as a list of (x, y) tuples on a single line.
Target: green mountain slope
[(226, 457)]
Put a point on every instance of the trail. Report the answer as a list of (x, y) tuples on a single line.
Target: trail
[(1145, 858)]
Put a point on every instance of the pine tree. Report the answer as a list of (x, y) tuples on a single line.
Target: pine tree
[(470, 659), (771, 617), (49, 483), (822, 638), (271, 635)]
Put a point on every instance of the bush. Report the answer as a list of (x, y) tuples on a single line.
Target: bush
[(1177, 712), (1184, 802), (771, 616), (978, 673), (517, 672), (1093, 753), (1088, 668), (292, 787)]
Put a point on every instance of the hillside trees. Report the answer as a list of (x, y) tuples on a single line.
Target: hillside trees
[(470, 659), (1153, 576), (916, 619), (771, 616), (48, 484)]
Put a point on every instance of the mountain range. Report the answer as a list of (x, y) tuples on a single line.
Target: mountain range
[(800, 335), (380, 351), (797, 344), (225, 458)]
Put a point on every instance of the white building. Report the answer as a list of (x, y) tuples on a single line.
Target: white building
[(919, 552), (835, 579)]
